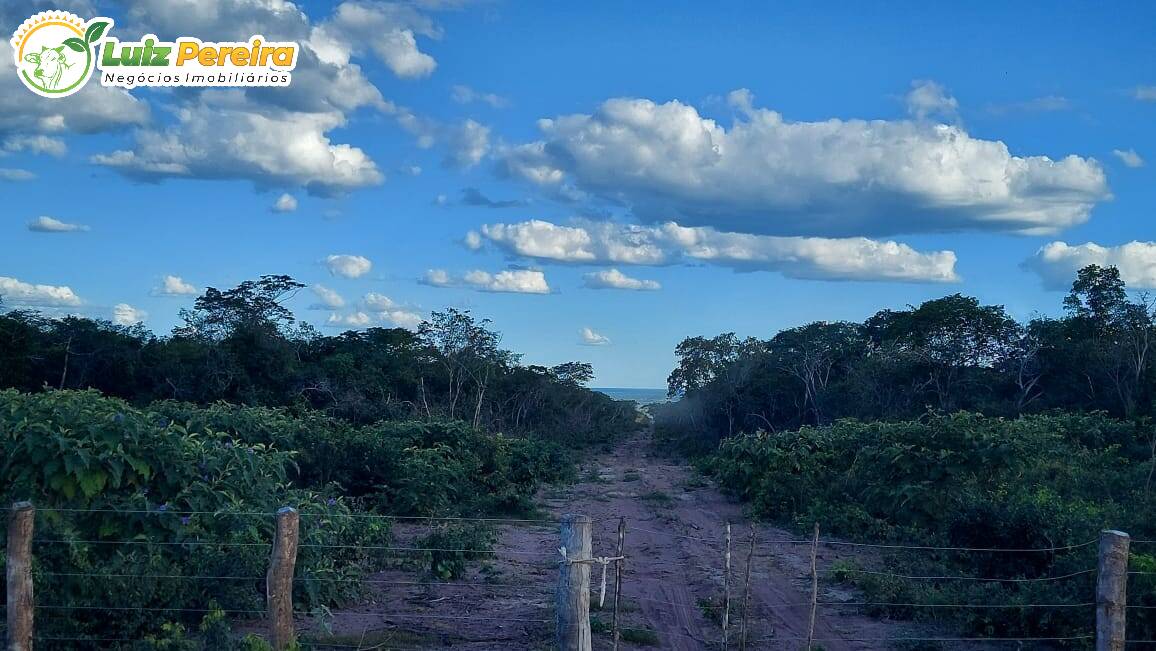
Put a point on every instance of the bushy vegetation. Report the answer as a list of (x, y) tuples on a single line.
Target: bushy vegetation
[(964, 480), (242, 346), (949, 354)]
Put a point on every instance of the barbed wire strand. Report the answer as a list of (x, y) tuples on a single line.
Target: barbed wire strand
[(960, 578)]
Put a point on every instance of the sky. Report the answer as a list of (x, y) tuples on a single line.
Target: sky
[(600, 179)]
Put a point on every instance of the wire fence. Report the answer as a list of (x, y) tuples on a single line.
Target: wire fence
[(464, 592)]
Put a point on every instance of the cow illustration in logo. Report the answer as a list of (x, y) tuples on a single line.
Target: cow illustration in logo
[(51, 63)]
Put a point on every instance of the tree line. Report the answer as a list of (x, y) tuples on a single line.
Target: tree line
[(244, 346), (947, 354)]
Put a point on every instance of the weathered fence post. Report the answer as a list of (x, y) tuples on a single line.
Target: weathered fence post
[(1112, 591), (19, 576), (618, 577), (574, 584), (279, 580), (747, 594), (814, 587), (726, 617)]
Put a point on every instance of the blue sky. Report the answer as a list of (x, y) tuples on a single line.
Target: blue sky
[(745, 167)]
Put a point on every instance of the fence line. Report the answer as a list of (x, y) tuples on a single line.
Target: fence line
[(569, 559)]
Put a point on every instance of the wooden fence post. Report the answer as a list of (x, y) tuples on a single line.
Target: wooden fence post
[(279, 580), (1112, 591), (814, 587), (747, 594), (618, 577), (19, 576), (726, 618), (573, 596)]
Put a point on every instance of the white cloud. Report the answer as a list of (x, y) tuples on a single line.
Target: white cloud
[(35, 144), (1057, 262), (352, 320), (467, 143), (13, 174), (1145, 93), (222, 136), (17, 292), (328, 299), (516, 281), (349, 266), (836, 177), (378, 302), (928, 98), (605, 243), (437, 278), (473, 241), (388, 29), (615, 279), (389, 312), (1129, 157), (45, 224), (175, 286), (591, 338), (285, 203), (126, 315), (466, 95)]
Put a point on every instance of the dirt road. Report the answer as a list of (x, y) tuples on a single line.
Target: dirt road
[(673, 585)]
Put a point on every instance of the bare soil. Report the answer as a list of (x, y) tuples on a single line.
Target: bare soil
[(672, 588)]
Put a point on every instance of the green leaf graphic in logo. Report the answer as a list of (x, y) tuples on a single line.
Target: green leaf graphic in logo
[(76, 44), (95, 31)]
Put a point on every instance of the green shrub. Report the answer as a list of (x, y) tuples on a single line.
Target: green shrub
[(960, 480)]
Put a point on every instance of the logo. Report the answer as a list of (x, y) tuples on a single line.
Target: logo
[(56, 53)]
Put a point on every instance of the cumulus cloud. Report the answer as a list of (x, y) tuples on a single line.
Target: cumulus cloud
[(590, 338), (126, 315), (349, 266), (175, 286), (389, 30), (615, 279), (437, 278), (1129, 157), (514, 281), (466, 95), (605, 243), (221, 136), (34, 144), (928, 98), (14, 292), (327, 299), (768, 175), (390, 312), (351, 320), (1057, 262), (281, 137), (45, 224), (285, 203)]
